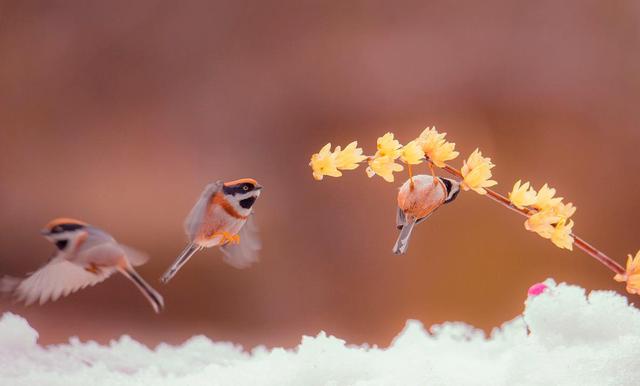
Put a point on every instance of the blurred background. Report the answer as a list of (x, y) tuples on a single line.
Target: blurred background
[(120, 112)]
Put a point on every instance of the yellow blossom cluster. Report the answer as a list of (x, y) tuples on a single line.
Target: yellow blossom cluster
[(435, 147), (328, 163), (476, 173), (429, 145), (383, 163), (550, 216), (631, 275)]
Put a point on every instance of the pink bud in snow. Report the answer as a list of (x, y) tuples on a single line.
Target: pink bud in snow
[(537, 289)]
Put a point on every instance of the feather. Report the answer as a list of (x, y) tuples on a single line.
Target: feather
[(400, 248), (154, 298), (195, 218), (245, 253), (181, 260), (57, 278)]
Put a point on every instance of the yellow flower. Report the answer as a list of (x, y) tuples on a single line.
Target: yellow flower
[(477, 173), (324, 163), (388, 147), (436, 148), (545, 199), (412, 153), (476, 159), (632, 274), (443, 154), (542, 223), (561, 235), (384, 167), (522, 195), (350, 157), (383, 162), (430, 139), (564, 210)]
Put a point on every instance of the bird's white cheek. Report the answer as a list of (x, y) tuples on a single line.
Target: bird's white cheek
[(240, 197)]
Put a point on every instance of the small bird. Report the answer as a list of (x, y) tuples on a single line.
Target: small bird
[(418, 198), (85, 256), (222, 217)]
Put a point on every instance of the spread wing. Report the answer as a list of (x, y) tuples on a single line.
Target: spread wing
[(57, 278), (194, 220), (135, 257), (245, 253), (100, 247)]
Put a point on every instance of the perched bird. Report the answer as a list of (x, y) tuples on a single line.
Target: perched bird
[(418, 198), (85, 256), (222, 217)]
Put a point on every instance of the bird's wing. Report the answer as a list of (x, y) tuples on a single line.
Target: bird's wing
[(401, 219), (58, 277), (105, 247), (194, 220), (425, 217), (135, 257), (245, 253)]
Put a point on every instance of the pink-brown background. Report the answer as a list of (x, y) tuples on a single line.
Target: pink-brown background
[(119, 113)]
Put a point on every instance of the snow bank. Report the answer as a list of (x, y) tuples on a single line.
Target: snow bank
[(563, 338)]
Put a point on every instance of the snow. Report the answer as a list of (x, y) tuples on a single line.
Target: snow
[(564, 337)]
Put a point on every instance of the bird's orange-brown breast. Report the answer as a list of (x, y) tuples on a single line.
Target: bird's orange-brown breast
[(219, 200), (421, 201), (220, 217)]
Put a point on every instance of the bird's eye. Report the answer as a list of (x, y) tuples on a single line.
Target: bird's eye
[(245, 187)]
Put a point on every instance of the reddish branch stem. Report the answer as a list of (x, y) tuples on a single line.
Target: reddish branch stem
[(579, 242)]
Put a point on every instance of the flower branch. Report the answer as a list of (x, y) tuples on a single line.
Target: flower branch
[(579, 242), (546, 214)]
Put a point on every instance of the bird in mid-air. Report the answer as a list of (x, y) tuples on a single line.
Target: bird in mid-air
[(222, 217), (85, 256)]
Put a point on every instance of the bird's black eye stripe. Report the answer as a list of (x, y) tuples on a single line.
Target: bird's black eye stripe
[(447, 184), (238, 188), (453, 196), (62, 244), (66, 228), (247, 202)]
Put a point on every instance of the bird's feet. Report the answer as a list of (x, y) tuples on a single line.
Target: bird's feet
[(232, 239), (93, 268), (433, 173), (226, 237)]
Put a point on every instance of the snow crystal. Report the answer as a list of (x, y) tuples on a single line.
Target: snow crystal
[(564, 337)]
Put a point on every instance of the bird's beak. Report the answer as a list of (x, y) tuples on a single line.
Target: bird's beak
[(45, 232), (258, 187)]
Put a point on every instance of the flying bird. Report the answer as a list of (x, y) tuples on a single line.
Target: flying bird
[(85, 256), (222, 217)]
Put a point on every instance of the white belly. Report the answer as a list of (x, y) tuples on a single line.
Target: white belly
[(219, 221)]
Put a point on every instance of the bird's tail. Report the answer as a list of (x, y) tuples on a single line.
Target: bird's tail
[(154, 298), (180, 261), (403, 238)]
